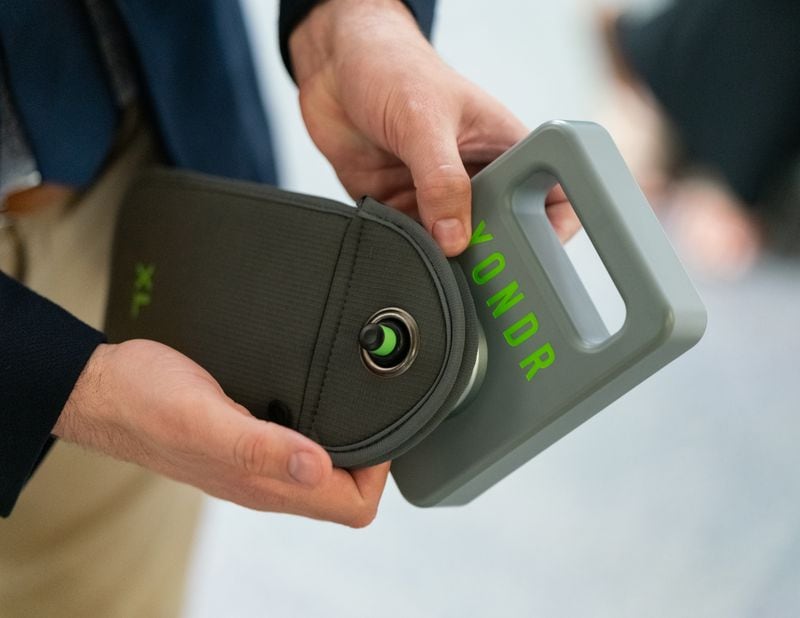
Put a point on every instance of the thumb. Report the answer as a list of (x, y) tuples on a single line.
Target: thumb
[(444, 192), (266, 449)]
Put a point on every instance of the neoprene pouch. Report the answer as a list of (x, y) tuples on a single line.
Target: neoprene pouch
[(268, 290)]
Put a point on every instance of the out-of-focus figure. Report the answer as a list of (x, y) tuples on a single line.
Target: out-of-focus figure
[(707, 112)]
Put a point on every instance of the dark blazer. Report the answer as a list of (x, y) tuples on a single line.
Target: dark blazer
[(197, 78)]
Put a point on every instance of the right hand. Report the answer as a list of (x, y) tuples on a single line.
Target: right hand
[(396, 122), (143, 402)]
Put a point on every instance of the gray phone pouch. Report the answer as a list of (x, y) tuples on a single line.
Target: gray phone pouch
[(269, 291)]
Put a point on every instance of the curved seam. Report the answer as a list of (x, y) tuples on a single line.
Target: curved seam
[(319, 329), (338, 328), (400, 423)]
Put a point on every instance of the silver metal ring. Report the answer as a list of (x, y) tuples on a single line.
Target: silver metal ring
[(413, 345)]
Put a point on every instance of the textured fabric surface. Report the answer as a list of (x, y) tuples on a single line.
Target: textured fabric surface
[(386, 272), (197, 79), (268, 290), (41, 360), (239, 282), (43, 43), (16, 159), (459, 348)]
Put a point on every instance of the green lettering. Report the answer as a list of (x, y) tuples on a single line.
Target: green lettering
[(478, 237), (142, 286), (521, 331), (489, 268), (540, 359), (144, 276), (139, 300), (505, 298)]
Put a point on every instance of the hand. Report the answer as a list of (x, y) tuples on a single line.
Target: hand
[(143, 402), (396, 122)]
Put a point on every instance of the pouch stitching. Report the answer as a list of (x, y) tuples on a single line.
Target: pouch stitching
[(338, 326), (319, 329), (401, 422)]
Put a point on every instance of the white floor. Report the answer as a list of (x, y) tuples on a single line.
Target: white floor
[(681, 499)]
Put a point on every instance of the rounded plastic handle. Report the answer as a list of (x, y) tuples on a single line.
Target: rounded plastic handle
[(550, 361), (508, 201)]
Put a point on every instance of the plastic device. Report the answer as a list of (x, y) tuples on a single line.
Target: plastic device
[(348, 324), (548, 363)]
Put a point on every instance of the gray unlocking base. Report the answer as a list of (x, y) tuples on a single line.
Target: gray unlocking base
[(549, 362)]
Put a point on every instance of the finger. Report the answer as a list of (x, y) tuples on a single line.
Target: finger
[(489, 129), (371, 481), (347, 497), (384, 182), (443, 153), (556, 196), (444, 194), (561, 214), (563, 219), (264, 449)]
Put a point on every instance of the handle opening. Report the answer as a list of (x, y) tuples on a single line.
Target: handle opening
[(584, 287)]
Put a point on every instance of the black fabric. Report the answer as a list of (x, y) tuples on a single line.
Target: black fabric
[(198, 74), (197, 79), (53, 62), (268, 291), (43, 350), (198, 235), (726, 73), (292, 12)]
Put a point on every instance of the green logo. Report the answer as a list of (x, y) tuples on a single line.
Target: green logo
[(142, 287), (503, 301)]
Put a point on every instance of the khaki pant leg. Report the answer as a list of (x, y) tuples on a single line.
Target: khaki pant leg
[(91, 536)]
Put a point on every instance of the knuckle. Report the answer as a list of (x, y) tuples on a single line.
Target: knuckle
[(186, 399), (251, 452), (408, 111), (252, 493), (445, 187), (363, 517), (268, 501)]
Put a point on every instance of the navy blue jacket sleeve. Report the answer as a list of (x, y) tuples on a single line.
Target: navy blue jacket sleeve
[(293, 12), (43, 350)]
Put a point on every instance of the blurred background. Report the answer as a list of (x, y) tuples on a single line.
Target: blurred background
[(680, 499)]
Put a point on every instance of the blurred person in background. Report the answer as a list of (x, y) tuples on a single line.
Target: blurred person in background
[(92, 91), (707, 114)]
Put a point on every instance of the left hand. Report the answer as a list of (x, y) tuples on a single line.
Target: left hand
[(396, 122), (143, 402)]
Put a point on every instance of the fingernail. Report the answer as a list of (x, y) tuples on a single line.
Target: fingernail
[(304, 468), (450, 235)]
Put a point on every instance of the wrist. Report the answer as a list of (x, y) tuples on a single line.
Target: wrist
[(86, 395), (335, 25)]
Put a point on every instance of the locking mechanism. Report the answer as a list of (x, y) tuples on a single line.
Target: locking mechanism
[(389, 342)]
